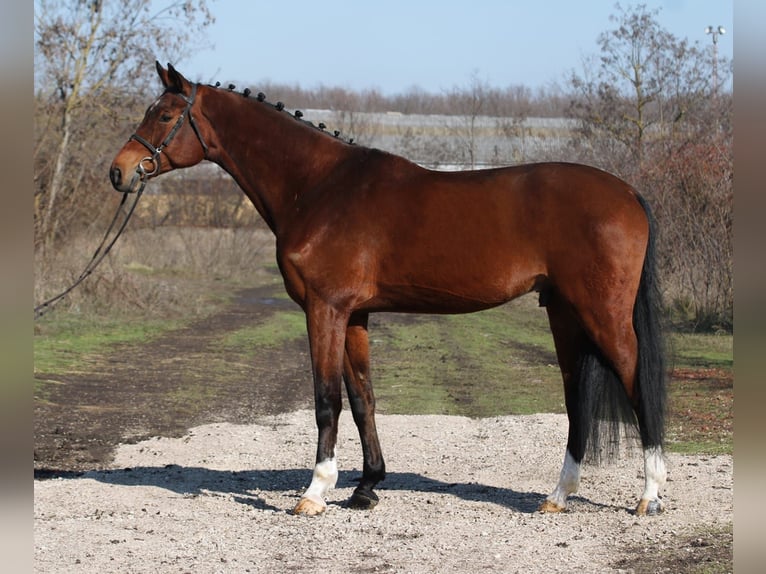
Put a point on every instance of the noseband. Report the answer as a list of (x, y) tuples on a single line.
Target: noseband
[(141, 172)]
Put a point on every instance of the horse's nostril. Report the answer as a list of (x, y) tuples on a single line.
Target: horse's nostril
[(116, 176)]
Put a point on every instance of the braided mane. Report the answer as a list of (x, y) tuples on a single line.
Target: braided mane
[(280, 107)]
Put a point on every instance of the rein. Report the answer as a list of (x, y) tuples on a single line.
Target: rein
[(139, 177), (99, 255)]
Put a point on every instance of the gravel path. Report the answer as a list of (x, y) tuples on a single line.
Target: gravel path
[(460, 497)]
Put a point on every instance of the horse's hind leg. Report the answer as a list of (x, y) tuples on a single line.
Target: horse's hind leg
[(356, 370), (611, 329)]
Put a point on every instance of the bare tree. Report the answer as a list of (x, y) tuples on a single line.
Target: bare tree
[(643, 82), (648, 112), (88, 55), (693, 195), (352, 114), (468, 104), (511, 108)]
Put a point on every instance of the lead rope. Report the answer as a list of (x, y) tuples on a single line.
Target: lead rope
[(99, 255), (142, 174)]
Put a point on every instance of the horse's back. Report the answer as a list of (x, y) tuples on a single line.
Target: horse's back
[(524, 218), (491, 199), (416, 239)]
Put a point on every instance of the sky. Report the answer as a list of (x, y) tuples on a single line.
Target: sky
[(394, 45)]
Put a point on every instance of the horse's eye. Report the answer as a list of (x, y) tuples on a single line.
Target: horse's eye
[(165, 118)]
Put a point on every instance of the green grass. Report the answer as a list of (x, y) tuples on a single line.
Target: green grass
[(701, 414), (66, 343), (701, 394), (495, 362), (702, 350), (275, 330)]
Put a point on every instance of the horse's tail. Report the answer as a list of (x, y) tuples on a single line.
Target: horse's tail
[(650, 377), (605, 411)]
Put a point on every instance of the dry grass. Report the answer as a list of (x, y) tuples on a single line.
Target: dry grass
[(158, 272)]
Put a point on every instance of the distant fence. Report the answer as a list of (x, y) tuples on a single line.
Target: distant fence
[(453, 141)]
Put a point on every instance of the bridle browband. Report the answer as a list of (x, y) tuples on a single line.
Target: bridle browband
[(141, 172)]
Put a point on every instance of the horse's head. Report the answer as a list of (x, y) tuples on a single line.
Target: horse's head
[(169, 137)]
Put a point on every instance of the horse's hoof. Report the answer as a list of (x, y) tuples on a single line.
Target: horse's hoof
[(648, 507), (363, 500), (310, 506), (550, 506)]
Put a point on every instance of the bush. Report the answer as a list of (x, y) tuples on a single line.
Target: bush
[(692, 194)]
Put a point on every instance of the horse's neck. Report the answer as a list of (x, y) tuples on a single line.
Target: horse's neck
[(273, 157)]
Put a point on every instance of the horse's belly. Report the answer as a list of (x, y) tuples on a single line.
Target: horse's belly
[(460, 294)]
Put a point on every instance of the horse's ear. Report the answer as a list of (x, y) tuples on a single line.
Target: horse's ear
[(172, 78), (163, 73), (177, 81)]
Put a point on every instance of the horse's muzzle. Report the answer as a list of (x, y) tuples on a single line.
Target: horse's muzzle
[(115, 175), (125, 185)]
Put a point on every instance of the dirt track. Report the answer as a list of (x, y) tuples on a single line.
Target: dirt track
[(155, 389)]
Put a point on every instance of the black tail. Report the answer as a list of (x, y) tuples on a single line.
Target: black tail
[(605, 412), (651, 348)]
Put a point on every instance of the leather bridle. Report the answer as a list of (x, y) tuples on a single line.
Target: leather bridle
[(141, 172)]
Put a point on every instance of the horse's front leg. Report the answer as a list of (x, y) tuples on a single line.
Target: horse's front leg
[(356, 371), (327, 333)]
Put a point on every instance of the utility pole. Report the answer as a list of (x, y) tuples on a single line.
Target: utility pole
[(715, 32)]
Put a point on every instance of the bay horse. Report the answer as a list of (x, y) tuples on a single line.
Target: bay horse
[(360, 230)]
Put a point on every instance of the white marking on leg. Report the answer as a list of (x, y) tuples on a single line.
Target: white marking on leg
[(655, 473), (569, 481), (324, 478)]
